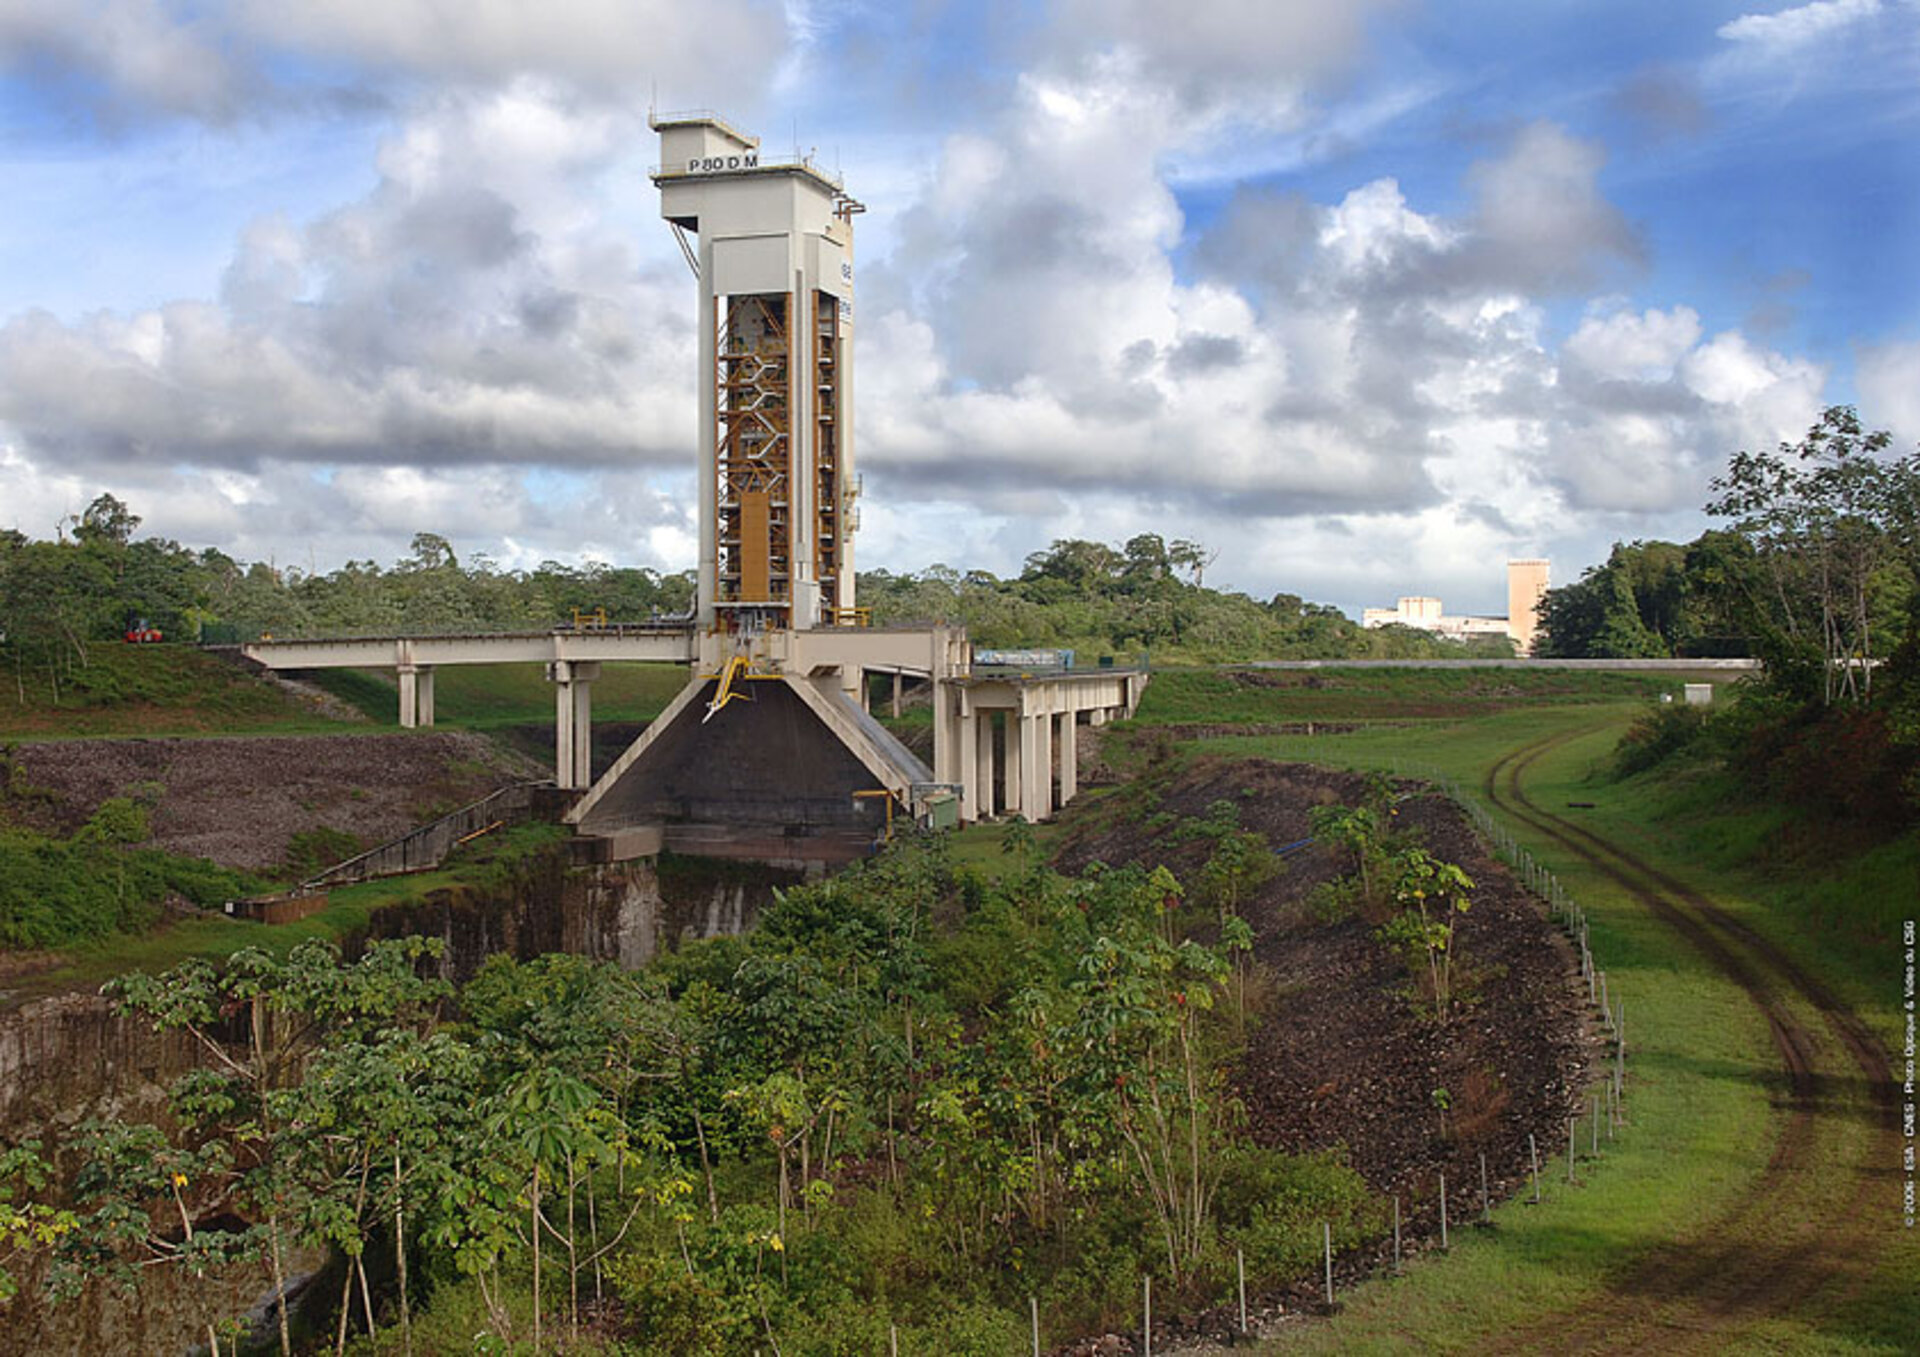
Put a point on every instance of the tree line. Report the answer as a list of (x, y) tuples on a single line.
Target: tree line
[(96, 580), (1813, 569), (1146, 595)]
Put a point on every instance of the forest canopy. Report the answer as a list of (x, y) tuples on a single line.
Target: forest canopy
[(97, 581)]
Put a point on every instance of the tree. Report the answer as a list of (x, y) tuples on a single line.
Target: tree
[(289, 1005), (108, 521), (1139, 996), (1634, 606), (1824, 518), (140, 1196), (1432, 895), (28, 1227)]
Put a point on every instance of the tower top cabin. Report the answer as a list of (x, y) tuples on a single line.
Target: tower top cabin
[(771, 243)]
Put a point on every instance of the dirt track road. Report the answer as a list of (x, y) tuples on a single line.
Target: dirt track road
[(1807, 1232)]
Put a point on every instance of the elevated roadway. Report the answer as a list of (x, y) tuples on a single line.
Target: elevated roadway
[(666, 644), (572, 657)]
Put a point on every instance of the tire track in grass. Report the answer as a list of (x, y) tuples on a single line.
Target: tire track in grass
[(1786, 1239)]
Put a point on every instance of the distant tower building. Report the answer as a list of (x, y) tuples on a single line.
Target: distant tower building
[(774, 255), (1526, 586)]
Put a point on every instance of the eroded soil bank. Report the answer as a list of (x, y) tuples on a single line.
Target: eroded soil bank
[(1346, 1053)]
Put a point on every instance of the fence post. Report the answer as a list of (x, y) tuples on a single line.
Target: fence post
[(1326, 1238), (1533, 1155), (1443, 1212), (1240, 1266)]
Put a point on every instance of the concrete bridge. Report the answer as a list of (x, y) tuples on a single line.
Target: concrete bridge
[(572, 658), (1002, 743)]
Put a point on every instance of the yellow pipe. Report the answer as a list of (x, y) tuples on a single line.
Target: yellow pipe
[(736, 668)]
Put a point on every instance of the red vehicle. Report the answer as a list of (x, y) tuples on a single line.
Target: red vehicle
[(139, 633)]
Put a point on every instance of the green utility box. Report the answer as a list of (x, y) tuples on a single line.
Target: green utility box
[(943, 811)]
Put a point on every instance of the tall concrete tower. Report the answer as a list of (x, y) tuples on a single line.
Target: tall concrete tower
[(1526, 586), (772, 245)]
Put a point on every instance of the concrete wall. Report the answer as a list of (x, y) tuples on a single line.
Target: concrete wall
[(762, 760)]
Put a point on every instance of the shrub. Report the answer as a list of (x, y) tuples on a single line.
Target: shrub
[(57, 892), (1656, 736), (1272, 1204)]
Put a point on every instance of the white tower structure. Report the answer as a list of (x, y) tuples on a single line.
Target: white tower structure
[(771, 243), (769, 751)]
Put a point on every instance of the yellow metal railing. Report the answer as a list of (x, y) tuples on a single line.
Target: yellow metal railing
[(850, 617)]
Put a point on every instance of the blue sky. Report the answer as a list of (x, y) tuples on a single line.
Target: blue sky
[(1367, 297)]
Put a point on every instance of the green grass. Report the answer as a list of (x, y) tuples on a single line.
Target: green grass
[(153, 690), (1261, 696), (178, 690), (982, 848), (216, 936), (482, 696), (1701, 1066)]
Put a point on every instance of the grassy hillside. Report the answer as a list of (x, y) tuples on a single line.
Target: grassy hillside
[(152, 690), (480, 696), (1230, 695), (215, 936)]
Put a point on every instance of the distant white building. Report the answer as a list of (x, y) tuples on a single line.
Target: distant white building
[(1526, 584)]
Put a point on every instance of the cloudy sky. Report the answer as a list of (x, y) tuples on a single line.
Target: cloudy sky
[(1368, 296)]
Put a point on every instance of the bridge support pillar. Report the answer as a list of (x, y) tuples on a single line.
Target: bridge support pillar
[(416, 695), (573, 722), (1069, 757), (1013, 752), (965, 746), (1036, 766), (980, 785)]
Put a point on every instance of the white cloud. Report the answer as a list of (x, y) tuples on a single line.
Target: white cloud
[(1240, 61), (1623, 346), (612, 46), (1781, 33), (220, 59), (1889, 379), (142, 53), (474, 307), (1540, 220)]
